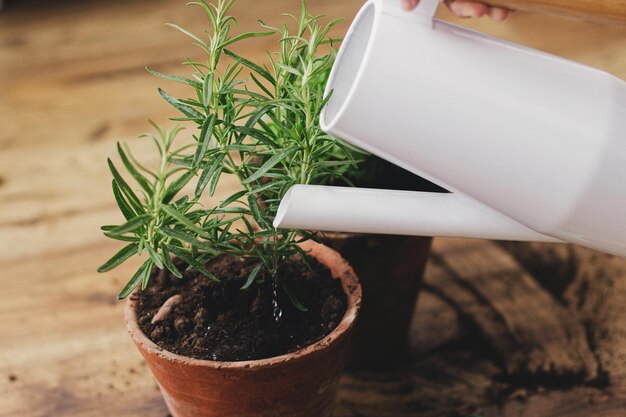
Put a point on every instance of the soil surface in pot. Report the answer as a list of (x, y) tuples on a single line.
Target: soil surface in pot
[(220, 321)]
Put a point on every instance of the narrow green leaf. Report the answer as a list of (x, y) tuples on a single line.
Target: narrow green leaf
[(178, 185), (181, 201), (271, 184), (182, 162), (140, 245), (167, 261), (249, 228), (191, 261), (252, 276), (131, 225), (256, 211), (133, 200), (232, 210), (290, 70), (226, 225), (228, 5), (181, 107), (207, 173), (173, 171), (293, 298), (231, 73), (144, 269), (123, 238), (233, 198), (119, 257), (253, 133), (176, 78), (265, 234), (141, 180), (251, 65), (237, 91), (155, 256), (326, 164), (182, 219), (206, 133), (186, 32), (207, 9), (245, 36), (269, 164), (191, 102), (240, 148), (144, 281), (261, 86), (121, 202), (207, 90), (215, 180), (329, 26), (186, 238)]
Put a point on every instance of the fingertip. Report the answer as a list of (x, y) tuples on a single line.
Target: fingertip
[(498, 14), (409, 4), (480, 10), (468, 9)]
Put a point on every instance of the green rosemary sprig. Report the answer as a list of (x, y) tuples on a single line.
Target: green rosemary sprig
[(268, 137)]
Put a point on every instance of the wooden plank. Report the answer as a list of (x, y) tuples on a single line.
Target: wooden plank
[(597, 10)]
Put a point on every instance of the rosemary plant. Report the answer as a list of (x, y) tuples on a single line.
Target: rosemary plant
[(262, 129)]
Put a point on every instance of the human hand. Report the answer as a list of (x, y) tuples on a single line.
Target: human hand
[(467, 9)]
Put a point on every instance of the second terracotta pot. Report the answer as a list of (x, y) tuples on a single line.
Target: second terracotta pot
[(299, 384), (390, 269)]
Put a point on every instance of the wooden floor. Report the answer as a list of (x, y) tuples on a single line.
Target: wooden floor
[(72, 83)]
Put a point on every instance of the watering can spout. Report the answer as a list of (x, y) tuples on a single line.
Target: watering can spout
[(361, 210)]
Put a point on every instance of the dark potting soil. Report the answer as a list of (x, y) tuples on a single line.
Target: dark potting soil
[(221, 322)]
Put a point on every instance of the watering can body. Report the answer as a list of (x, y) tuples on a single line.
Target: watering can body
[(532, 146)]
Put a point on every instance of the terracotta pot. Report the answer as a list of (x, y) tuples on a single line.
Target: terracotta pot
[(299, 384), (390, 270)]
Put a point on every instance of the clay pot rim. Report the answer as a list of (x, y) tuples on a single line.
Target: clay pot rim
[(342, 270)]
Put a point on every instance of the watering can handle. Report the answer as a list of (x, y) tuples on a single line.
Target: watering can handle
[(607, 11)]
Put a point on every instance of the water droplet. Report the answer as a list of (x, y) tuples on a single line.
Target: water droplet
[(278, 312)]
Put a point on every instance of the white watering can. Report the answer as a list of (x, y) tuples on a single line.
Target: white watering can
[(536, 149)]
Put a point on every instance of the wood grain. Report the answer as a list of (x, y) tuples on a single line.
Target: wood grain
[(610, 11), (72, 83)]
